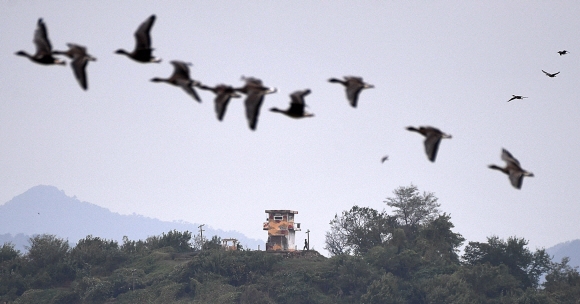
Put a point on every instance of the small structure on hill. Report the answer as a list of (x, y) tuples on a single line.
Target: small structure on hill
[(281, 230), (230, 244)]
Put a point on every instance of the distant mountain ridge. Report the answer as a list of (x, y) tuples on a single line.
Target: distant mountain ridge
[(46, 209), (569, 249)]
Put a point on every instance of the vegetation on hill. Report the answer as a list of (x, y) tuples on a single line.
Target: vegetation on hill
[(409, 256)]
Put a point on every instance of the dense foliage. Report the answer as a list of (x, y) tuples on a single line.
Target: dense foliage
[(410, 256)]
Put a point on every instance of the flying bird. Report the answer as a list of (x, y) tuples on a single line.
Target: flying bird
[(43, 53), (143, 50), (297, 105), (254, 91), (512, 169), (564, 52), (80, 59), (180, 78), (354, 85), (516, 97), (384, 158), (223, 95), (549, 74), (433, 137)]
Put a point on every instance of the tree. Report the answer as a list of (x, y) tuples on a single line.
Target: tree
[(48, 260), (563, 282), (387, 290), (7, 252), (11, 282), (357, 230), (411, 208), (96, 255), (175, 239), (523, 264), (214, 244), (437, 243), (46, 249)]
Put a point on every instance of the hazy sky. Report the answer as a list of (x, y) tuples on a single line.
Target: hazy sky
[(131, 145)]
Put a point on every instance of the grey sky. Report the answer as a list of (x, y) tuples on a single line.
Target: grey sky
[(131, 145)]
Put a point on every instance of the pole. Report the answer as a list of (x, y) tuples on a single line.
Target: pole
[(201, 234), (308, 234)]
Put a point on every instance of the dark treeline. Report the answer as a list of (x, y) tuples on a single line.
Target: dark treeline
[(408, 256)]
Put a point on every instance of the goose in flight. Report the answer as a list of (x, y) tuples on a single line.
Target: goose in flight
[(180, 78), (550, 75), (563, 52), (433, 137), (43, 53), (354, 85), (254, 91), (143, 50), (223, 95), (80, 59), (512, 169), (516, 97), (297, 105)]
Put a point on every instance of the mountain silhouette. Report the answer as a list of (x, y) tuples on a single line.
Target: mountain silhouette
[(46, 209), (569, 249)]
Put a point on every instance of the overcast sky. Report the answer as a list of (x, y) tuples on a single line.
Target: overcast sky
[(135, 146)]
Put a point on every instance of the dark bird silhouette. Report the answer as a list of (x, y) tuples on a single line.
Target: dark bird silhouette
[(180, 78), (512, 169), (223, 94), (297, 104), (384, 158), (43, 53), (143, 50), (563, 52), (80, 59), (516, 97), (433, 137), (354, 85), (254, 91), (549, 74)]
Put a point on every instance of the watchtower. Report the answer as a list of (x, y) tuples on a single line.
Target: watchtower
[(281, 230)]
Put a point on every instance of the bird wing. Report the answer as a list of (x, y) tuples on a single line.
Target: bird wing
[(41, 41), (509, 158), (253, 103), (298, 96), (352, 92), (353, 87), (187, 86), (516, 178), (78, 66), (142, 37), (180, 69), (221, 102), (432, 146), (297, 103), (77, 49), (251, 81)]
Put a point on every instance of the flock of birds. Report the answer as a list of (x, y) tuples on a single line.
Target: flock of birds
[(253, 89)]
